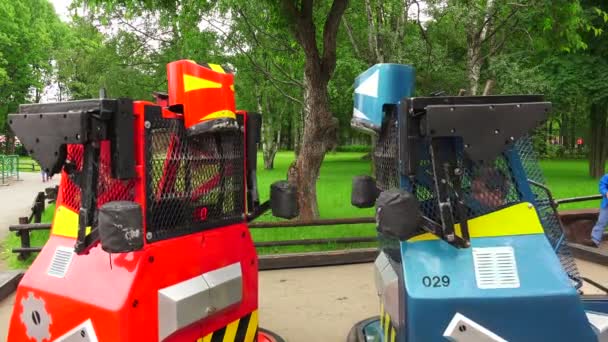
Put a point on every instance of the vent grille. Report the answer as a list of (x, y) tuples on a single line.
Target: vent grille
[(60, 262), (495, 268)]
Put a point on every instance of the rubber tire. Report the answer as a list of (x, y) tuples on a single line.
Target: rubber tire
[(271, 334), (356, 332)]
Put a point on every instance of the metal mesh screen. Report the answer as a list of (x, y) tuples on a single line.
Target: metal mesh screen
[(548, 216), (486, 188), (385, 156), (108, 188), (193, 183)]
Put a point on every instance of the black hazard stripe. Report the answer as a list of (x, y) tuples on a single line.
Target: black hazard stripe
[(241, 330), (218, 335)]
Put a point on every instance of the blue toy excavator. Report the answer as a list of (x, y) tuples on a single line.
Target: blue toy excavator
[(471, 247)]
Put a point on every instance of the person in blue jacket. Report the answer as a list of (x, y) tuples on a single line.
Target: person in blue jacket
[(602, 221)]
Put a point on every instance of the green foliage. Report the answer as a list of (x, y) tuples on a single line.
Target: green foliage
[(29, 36), (556, 48)]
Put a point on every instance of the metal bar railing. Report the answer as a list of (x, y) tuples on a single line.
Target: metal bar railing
[(578, 199), (9, 168)]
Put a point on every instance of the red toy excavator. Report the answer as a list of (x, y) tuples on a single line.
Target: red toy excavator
[(149, 240)]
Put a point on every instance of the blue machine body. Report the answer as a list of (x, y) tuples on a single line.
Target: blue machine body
[(424, 283), (545, 306), (377, 87)]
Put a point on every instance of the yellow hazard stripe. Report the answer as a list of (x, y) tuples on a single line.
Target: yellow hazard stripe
[(219, 114), (230, 333), (388, 330), (216, 68), (387, 320), (236, 331), (65, 222), (252, 328), (195, 83), (519, 219)]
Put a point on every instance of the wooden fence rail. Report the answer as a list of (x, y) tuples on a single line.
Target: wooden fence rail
[(276, 261)]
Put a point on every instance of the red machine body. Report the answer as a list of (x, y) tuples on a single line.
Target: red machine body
[(192, 192)]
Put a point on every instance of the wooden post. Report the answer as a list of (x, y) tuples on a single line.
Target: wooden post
[(25, 238), (39, 207)]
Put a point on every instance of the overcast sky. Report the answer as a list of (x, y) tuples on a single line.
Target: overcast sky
[(61, 7)]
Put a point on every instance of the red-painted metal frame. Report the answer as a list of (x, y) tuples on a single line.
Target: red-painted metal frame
[(119, 293)]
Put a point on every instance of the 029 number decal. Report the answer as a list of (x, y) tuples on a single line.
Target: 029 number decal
[(436, 281)]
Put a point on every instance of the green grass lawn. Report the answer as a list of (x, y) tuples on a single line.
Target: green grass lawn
[(566, 178), (27, 164), (570, 178), (37, 238), (333, 195)]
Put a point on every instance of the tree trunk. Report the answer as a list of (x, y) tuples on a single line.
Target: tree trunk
[(564, 130), (474, 64), (320, 126), (269, 127), (573, 131), (372, 161), (320, 129), (297, 133), (476, 37), (597, 153), (270, 147), (487, 90)]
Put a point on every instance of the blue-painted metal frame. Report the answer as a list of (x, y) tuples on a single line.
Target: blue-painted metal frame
[(519, 174), (596, 303)]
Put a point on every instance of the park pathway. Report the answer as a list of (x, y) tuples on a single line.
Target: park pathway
[(16, 199), (319, 303)]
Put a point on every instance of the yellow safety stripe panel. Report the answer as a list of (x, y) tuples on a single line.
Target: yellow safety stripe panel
[(219, 114), (252, 328), (519, 219), (387, 320), (232, 333), (65, 223), (388, 330), (216, 68), (195, 83)]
